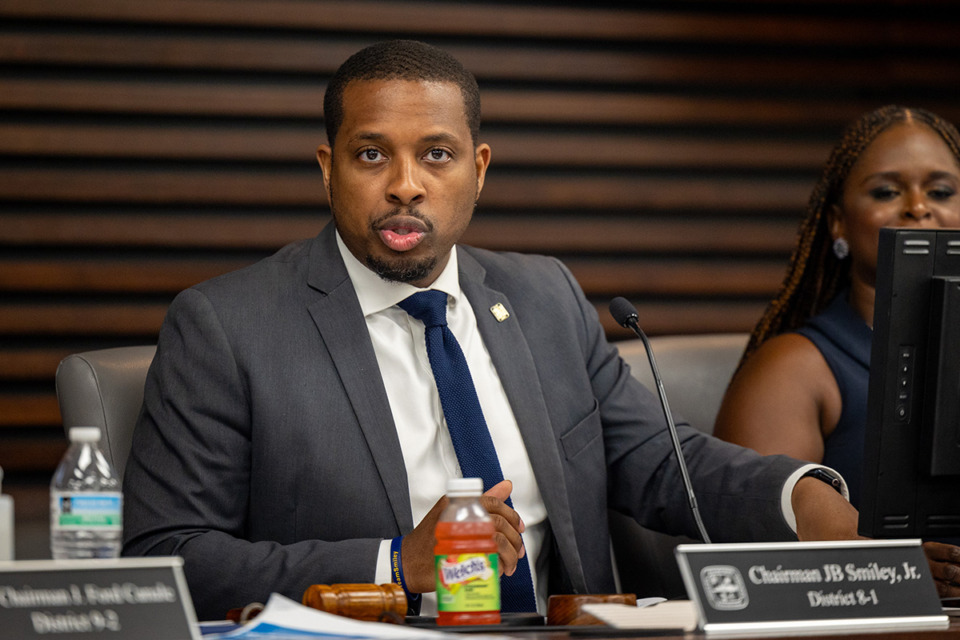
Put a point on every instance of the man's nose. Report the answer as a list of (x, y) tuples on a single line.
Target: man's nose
[(405, 187)]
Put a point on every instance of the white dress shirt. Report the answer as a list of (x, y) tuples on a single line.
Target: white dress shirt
[(428, 453)]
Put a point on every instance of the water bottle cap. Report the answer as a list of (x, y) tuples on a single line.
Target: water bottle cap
[(84, 434), (464, 487)]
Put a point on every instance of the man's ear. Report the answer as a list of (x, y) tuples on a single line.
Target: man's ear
[(482, 160), (325, 160)]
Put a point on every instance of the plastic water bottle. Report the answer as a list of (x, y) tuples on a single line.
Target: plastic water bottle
[(6, 523), (86, 504), (467, 564)]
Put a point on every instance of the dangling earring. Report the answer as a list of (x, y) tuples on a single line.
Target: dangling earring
[(841, 248)]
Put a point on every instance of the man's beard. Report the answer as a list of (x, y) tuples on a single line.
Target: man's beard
[(400, 268)]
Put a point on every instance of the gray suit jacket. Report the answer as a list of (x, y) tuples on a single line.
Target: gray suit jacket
[(267, 457)]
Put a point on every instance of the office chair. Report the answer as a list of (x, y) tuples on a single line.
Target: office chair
[(104, 389), (695, 370)]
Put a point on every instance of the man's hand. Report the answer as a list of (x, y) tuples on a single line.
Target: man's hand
[(822, 513), (944, 561), (416, 553)]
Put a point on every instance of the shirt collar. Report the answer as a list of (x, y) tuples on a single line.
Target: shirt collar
[(376, 294)]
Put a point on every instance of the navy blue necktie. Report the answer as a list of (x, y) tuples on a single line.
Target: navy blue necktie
[(468, 430)]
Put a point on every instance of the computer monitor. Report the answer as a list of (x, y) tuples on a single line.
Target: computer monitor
[(911, 482)]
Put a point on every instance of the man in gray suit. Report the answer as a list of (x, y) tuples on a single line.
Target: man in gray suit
[(291, 431)]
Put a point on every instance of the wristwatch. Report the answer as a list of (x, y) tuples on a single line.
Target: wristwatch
[(825, 476)]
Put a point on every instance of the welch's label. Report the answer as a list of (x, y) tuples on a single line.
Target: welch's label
[(468, 582)]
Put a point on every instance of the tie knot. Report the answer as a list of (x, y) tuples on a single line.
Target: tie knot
[(430, 307)]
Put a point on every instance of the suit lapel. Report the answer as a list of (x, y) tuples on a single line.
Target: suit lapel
[(339, 319), (514, 363)]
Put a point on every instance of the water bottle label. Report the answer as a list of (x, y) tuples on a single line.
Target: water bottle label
[(468, 582), (100, 511)]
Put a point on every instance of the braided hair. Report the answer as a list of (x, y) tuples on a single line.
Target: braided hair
[(815, 275)]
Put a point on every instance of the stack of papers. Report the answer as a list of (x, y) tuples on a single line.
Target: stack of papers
[(284, 619), (672, 614)]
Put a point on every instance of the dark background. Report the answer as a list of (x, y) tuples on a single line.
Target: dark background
[(663, 150)]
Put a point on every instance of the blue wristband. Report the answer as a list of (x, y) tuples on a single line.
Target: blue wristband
[(396, 569)]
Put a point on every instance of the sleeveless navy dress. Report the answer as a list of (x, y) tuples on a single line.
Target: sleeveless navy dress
[(844, 340)]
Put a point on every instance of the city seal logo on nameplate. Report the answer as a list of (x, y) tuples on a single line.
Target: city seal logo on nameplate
[(760, 588), (121, 599)]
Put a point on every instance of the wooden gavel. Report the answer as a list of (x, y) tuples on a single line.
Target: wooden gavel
[(380, 603)]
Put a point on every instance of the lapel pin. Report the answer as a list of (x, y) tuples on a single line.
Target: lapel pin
[(499, 312)]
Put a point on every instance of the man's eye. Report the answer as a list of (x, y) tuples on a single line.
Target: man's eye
[(438, 155), (883, 193), (371, 155)]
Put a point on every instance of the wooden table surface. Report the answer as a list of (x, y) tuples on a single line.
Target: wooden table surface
[(951, 633)]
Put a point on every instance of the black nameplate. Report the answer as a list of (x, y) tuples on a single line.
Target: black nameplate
[(824, 586), (123, 599)]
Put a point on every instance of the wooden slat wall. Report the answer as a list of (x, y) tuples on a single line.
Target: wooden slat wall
[(664, 150)]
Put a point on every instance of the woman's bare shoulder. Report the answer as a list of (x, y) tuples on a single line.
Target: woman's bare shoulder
[(780, 398), (788, 351)]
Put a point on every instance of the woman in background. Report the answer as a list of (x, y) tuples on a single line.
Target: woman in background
[(801, 386)]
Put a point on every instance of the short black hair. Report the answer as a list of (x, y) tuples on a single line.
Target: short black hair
[(401, 60)]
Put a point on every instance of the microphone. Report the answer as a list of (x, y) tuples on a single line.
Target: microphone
[(626, 315)]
